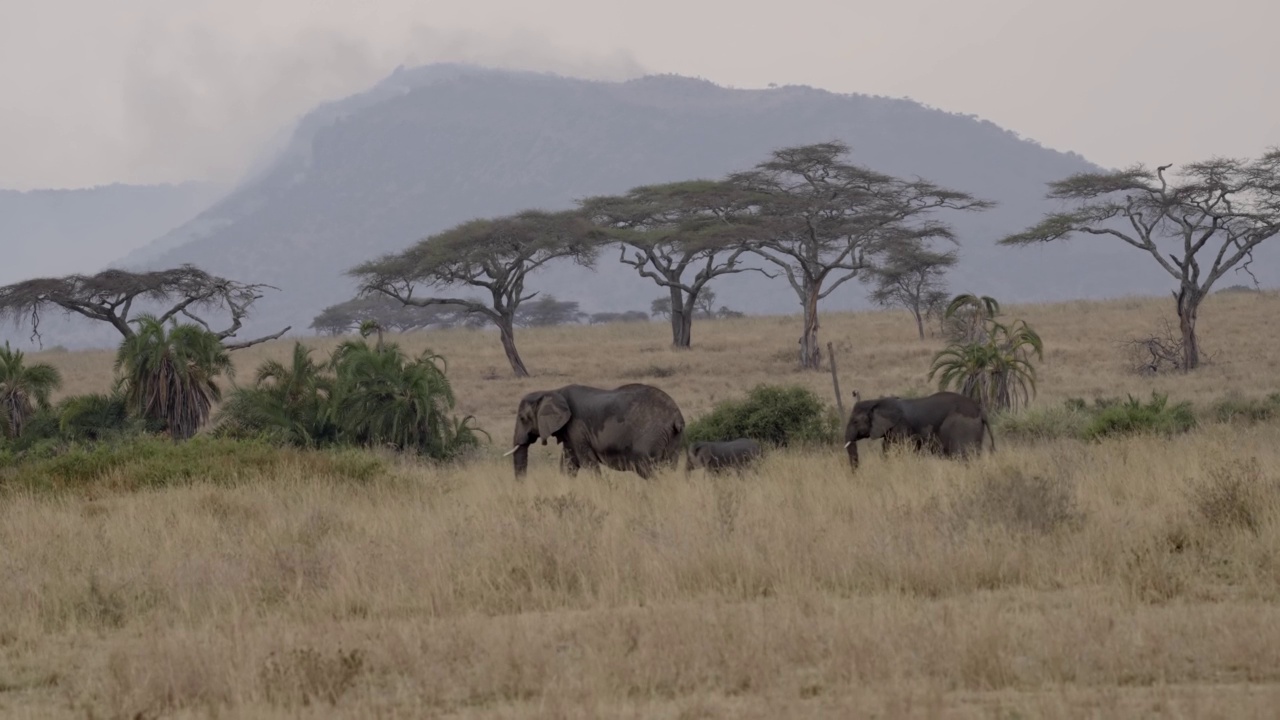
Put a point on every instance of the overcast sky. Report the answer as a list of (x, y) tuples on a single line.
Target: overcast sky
[(144, 91)]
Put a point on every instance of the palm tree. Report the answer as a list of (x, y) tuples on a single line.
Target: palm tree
[(368, 327), (95, 416), (290, 403), (383, 397), (969, 315), (170, 376), (995, 370), (20, 385)]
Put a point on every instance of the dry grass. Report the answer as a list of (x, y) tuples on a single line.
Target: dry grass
[(1127, 578)]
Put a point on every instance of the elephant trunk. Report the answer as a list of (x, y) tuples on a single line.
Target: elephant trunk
[(520, 460), (852, 447)]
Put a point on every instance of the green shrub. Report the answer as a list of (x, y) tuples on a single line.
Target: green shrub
[(151, 462), (778, 415), (99, 416), (1234, 407), (1134, 417), (1043, 424)]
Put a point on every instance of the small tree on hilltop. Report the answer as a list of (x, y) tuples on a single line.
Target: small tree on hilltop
[(110, 295), (994, 365), (492, 255), (1217, 213), (911, 278), (822, 220), (679, 235)]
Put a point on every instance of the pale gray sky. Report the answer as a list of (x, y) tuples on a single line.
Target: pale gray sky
[(141, 91)]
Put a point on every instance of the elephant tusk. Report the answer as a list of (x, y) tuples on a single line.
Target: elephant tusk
[(847, 444), (510, 451)]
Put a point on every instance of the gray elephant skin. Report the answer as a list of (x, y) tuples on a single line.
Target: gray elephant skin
[(720, 455), (635, 427), (946, 422)]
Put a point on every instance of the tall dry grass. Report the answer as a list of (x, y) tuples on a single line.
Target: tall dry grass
[(1127, 578)]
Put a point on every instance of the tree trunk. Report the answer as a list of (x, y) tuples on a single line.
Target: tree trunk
[(507, 330), (681, 320), (810, 353), (919, 323), (1188, 307)]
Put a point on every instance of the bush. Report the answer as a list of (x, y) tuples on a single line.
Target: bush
[(1030, 503), (1235, 496), (1068, 421), (152, 462), (1133, 417), (1236, 408), (778, 415)]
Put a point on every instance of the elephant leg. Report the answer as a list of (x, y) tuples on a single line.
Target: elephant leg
[(642, 468), (569, 463)]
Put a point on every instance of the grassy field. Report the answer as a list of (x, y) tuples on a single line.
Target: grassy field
[(1128, 578)]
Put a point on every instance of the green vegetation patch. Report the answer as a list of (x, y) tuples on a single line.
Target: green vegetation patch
[(779, 415), (143, 463)]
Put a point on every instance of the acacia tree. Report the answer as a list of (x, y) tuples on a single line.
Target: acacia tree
[(1219, 211), (491, 255), (109, 296), (666, 231), (547, 311), (911, 278), (704, 308), (822, 220)]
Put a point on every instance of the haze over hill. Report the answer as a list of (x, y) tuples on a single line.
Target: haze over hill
[(55, 232), (433, 146)]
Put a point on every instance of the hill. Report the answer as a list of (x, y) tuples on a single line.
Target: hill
[(54, 232), (437, 145)]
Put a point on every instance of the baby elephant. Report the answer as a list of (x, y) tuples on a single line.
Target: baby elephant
[(720, 455)]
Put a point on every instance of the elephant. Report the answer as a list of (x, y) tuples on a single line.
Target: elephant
[(720, 455), (634, 427), (946, 422)]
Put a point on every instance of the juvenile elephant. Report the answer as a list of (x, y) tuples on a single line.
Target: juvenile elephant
[(945, 422), (720, 455), (635, 427)]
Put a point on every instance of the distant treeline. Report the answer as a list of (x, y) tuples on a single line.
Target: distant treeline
[(544, 311)]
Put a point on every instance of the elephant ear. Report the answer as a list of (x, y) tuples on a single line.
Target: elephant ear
[(553, 414), (884, 416)]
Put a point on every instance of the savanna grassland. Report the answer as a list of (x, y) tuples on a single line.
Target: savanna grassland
[(1129, 577)]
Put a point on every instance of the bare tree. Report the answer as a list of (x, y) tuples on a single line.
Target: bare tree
[(110, 296), (666, 231), (492, 255), (822, 220), (1222, 207), (911, 278)]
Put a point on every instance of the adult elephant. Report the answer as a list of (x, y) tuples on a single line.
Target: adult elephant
[(945, 422), (635, 427)]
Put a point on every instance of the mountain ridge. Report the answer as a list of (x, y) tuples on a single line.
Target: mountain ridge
[(429, 147)]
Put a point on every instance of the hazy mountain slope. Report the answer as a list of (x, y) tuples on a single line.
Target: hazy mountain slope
[(431, 147), (55, 232)]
